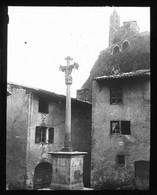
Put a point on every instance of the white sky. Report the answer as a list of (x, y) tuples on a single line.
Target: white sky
[(53, 33)]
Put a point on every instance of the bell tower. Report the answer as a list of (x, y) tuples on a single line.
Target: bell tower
[(114, 26)]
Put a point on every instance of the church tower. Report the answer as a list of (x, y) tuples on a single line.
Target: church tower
[(114, 26)]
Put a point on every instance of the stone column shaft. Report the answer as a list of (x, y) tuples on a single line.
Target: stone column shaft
[(67, 143)]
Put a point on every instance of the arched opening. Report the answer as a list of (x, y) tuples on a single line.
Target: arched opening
[(142, 174), (42, 175), (125, 45), (115, 50)]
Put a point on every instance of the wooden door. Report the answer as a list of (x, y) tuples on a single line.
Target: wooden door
[(142, 175)]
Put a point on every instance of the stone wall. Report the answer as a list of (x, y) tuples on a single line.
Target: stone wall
[(81, 120), (38, 152), (17, 124), (136, 108), (23, 154)]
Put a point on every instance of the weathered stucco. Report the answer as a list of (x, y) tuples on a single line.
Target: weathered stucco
[(17, 124), (23, 154), (105, 147)]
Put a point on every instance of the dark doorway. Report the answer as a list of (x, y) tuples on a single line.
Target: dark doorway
[(142, 175), (42, 175)]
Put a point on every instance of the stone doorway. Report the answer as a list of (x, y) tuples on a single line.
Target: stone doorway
[(42, 175), (142, 175)]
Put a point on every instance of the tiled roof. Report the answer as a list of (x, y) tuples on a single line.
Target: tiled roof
[(138, 73), (45, 92)]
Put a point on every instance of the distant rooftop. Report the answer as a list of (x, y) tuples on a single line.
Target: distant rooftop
[(138, 73), (45, 92)]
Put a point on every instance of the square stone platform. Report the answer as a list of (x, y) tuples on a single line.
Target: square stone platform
[(67, 171)]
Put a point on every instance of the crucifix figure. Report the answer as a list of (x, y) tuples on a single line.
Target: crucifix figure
[(68, 81)]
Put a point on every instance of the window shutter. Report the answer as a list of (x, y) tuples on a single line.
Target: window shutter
[(125, 127), (51, 135), (37, 135)]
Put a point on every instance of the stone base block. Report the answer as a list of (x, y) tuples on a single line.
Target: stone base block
[(76, 186), (67, 170)]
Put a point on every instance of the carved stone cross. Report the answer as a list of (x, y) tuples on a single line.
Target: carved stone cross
[(68, 81), (68, 70)]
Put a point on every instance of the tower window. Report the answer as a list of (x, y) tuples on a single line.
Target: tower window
[(120, 159), (115, 50), (125, 45)]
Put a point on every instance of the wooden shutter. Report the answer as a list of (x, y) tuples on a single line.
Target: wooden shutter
[(125, 127), (37, 135), (51, 135)]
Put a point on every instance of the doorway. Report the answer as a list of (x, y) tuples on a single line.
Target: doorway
[(42, 175), (142, 175)]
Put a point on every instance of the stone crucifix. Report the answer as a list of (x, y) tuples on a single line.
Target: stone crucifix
[(68, 81)]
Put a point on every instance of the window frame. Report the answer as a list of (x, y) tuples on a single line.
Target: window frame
[(43, 135), (43, 105), (116, 94), (111, 127), (120, 122)]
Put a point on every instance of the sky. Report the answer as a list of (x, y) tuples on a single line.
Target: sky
[(40, 38)]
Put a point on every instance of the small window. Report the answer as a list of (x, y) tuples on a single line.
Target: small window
[(125, 127), (125, 45), (115, 95), (44, 135), (115, 50), (115, 127), (120, 160), (43, 105), (120, 127), (40, 134), (51, 135)]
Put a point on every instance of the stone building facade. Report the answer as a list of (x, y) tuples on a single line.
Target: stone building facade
[(35, 126), (120, 159), (121, 130)]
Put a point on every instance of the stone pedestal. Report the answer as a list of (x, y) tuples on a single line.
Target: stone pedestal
[(67, 171)]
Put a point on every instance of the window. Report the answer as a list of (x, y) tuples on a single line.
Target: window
[(115, 128), (115, 95), (44, 135), (125, 45), (120, 127), (51, 135), (43, 105), (125, 127), (115, 50), (120, 160)]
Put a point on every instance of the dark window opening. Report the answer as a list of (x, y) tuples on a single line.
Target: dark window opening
[(115, 127), (115, 49), (120, 160), (43, 105), (125, 45), (51, 135), (40, 134), (120, 127), (115, 95), (125, 127)]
